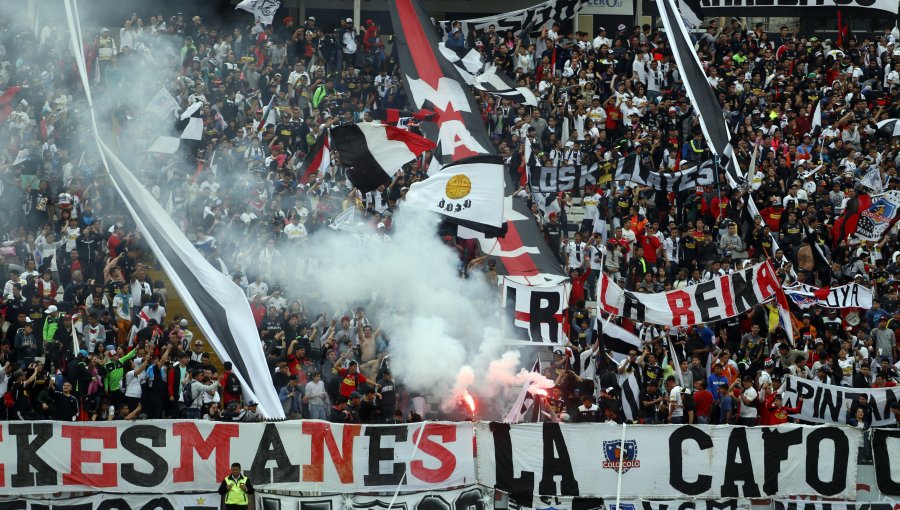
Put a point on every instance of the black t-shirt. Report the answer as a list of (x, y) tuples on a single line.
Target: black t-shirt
[(553, 233)]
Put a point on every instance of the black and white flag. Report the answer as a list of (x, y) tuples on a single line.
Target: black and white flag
[(615, 340), (374, 151), (531, 19), (689, 177), (263, 10), (497, 83), (705, 100)]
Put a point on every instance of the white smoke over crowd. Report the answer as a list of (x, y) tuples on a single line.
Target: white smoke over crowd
[(437, 323)]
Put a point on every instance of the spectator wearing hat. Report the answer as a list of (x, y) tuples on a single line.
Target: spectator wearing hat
[(291, 397)]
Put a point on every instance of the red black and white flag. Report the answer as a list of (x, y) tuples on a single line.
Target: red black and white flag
[(432, 81), (317, 160), (8, 101), (847, 221), (373, 152), (534, 313)]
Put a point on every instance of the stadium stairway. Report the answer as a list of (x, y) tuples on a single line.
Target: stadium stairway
[(175, 306)]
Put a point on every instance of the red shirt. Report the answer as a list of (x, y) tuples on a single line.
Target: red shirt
[(650, 244), (228, 397), (350, 382), (703, 401)]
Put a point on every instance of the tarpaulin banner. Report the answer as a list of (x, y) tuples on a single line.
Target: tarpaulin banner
[(471, 497), (845, 296), (886, 455), (709, 301), (534, 18), (196, 501), (830, 403), (794, 504), (165, 456), (668, 461), (741, 8), (550, 179), (588, 503), (534, 313)]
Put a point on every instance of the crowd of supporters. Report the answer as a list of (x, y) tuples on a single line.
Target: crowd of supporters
[(86, 333)]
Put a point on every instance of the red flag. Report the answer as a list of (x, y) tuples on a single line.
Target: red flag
[(843, 31), (7, 102), (846, 223)]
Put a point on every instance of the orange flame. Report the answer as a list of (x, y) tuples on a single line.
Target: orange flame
[(469, 402)]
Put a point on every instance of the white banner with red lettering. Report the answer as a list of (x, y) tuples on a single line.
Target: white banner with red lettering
[(709, 301), (165, 456), (534, 313)]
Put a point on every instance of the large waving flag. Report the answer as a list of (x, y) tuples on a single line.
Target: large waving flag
[(216, 303), (317, 160), (432, 81), (712, 120), (468, 192), (374, 151)]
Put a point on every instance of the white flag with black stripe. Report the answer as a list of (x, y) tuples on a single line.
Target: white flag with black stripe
[(530, 19), (499, 84), (615, 341)]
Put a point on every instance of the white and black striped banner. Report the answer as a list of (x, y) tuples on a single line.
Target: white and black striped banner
[(532, 18)]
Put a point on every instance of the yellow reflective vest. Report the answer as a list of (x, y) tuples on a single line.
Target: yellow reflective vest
[(235, 495)]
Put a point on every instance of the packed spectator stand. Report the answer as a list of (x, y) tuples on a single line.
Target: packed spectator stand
[(79, 272)]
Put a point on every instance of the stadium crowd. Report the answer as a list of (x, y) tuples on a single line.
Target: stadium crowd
[(78, 271)]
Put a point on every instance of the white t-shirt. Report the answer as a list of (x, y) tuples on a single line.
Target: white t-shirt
[(133, 383), (675, 402), (575, 252), (749, 410), (295, 232), (591, 211)]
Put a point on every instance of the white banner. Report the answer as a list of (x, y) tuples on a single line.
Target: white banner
[(534, 313), (710, 301), (799, 504), (878, 218), (579, 503), (794, 7), (845, 296), (829, 403), (165, 456), (608, 8), (197, 501), (262, 10), (471, 497), (668, 461), (533, 18)]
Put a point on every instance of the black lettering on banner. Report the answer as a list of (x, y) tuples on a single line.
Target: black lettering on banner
[(158, 504), (554, 466), (511, 329), (503, 458), (324, 504), (841, 458), (739, 470), (805, 391), (890, 396), (727, 504), (271, 448), (687, 505), (31, 469), (432, 502), (587, 504), (79, 506), (704, 303), (543, 309), (470, 499), (159, 466), (113, 504), (634, 308), (676, 461), (274, 504), (832, 404), (652, 505), (778, 505), (14, 505), (776, 445), (378, 453), (884, 473), (743, 290)]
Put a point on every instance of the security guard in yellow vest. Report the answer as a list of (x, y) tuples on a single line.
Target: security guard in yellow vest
[(236, 490)]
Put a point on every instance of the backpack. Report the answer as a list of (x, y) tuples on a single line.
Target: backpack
[(233, 385), (187, 394)]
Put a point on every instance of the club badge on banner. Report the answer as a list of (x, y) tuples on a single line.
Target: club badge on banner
[(534, 313), (167, 456), (710, 301), (875, 221), (668, 461), (830, 403)]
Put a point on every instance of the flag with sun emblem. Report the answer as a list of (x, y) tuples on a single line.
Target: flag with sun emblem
[(467, 192)]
